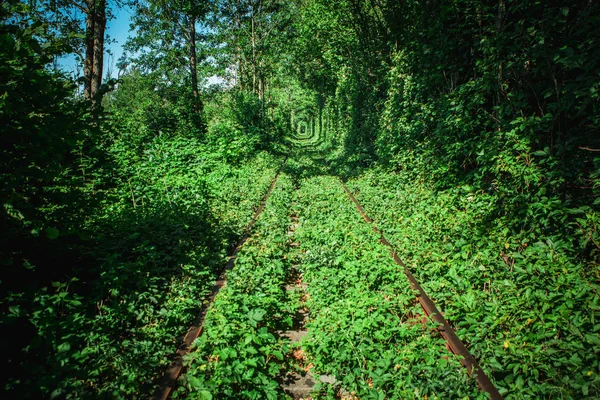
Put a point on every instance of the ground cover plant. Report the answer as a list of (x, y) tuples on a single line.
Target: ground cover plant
[(239, 354), (151, 255), (366, 327), (521, 298)]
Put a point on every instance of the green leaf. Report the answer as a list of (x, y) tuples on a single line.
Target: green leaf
[(205, 395), (278, 354), (593, 339), (194, 382), (64, 347)]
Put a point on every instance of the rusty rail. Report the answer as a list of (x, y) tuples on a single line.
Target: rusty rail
[(168, 381), (456, 346)]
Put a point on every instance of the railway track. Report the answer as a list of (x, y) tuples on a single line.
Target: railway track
[(455, 345), (168, 381)]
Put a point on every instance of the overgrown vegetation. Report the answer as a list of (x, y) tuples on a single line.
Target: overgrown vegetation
[(366, 326), (469, 130), (114, 227), (239, 353), (524, 300)]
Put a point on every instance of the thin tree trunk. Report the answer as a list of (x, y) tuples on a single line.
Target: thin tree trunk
[(499, 20), (254, 83), (88, 66), (241, 70), (238, 51), (99, 13), (261, 90), (194, 66)]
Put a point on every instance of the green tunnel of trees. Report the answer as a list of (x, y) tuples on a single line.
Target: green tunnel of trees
[(120, 196)]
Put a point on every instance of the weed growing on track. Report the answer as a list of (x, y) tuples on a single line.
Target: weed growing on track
[(144, 261), (366, 327), (239, 354), (520, 297)]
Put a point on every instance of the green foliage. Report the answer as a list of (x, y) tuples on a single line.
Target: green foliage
[(521, 297), (483, 117), (143, 109), (366, 327), (341, 55), (236, 130), (41, 126), (162, 44), (110, 244), (231, 142), (247, 38), (239, 354)]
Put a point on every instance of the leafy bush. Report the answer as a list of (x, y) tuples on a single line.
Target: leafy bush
[(232, 141), (142, 109), (114, 232)]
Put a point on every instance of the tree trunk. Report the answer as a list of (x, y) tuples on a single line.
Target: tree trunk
[(499, 19), (254, 83), (238, 50), (194, 67), (88, 66), (261, 90), (95, 26), (98, 69)]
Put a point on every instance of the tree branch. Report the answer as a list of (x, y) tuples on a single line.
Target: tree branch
[(79, 6), (587, 149)]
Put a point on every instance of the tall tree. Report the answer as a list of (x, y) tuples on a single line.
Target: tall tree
[(167, 40), (81, 23), (249, 37), (95, 24)]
